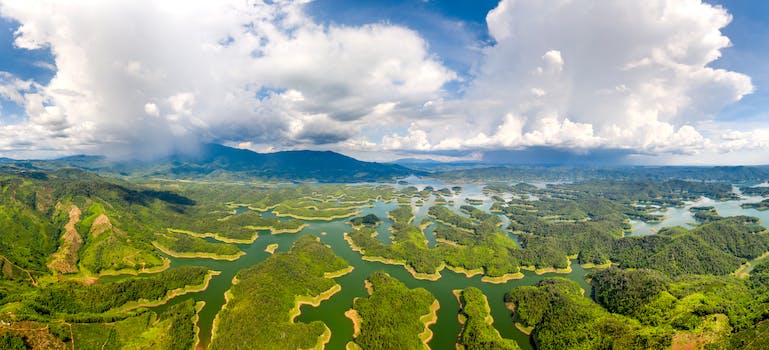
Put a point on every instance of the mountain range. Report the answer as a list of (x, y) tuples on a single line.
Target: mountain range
[(221, 163), (218, 162)]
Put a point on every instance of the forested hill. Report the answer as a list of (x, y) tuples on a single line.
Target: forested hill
[(730, 174), (322, 166), (218, 162)]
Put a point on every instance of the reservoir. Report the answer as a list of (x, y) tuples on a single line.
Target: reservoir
[(446, 330)]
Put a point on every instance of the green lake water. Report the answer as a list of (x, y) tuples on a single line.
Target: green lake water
[(446, 330)]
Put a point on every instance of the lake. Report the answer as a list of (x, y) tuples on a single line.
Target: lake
[(446, 330)]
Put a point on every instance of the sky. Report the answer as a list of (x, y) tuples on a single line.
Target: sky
[(600, 81)]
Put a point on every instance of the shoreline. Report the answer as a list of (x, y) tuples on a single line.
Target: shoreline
[(542, 271), (250, 207), (323, 339), (171, 294), (418, 275), (425, 276), (315, 301), (464, 271), (745, 269), (523, 329), (338, 273), (88, 277), (504, 278), (461, 318), (194, 255), (324, 218), (424, 224), (450, 224), (228, 297), (271, 248), (447, 242), (428, 320), (354, 316), (594, 266), (196, 328), (218, 237), (274, 231), (489, 319)]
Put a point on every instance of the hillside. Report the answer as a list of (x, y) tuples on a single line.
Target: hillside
[(322, 166), (218, 162)]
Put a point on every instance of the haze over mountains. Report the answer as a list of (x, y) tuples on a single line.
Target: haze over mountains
[(215, 161), (218, 162)]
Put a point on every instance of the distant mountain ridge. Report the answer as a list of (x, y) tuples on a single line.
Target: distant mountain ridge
[(730, 174), (218, 162), (323, 166)]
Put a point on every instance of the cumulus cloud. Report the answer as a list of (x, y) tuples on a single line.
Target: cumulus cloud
[(594, 73), (148, 76), (13, 89), (151, 109)]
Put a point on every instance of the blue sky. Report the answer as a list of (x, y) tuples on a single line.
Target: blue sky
[(438, 22), (25, 64), (749, 32), (658, 82), (455, 30)]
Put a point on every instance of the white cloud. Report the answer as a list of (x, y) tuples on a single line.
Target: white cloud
[(214, 71), (13, 89), (553, 61), (509, 134), (151, 109), (150, 76), (415, 139), (616, 74)]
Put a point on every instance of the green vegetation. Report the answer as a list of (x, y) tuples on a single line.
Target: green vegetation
[(392, 316), (716, 248), (171, 330), (259, 304), (475, 243), (446, 216), (233, 229), (276, 226), (477, 330), (627, 291), (113, 234), (409, 246), (699, 309), (474, 201), (705, 214), (762, 205), (29, 236), (753, 338), (563, 319), (183, 245), (568, 220), (10, 341), (729, 174), (64, 231), (370, 220), (82, 301), (755, 191), (588, 220)]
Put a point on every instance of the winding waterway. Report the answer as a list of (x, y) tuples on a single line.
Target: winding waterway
[(446, 330)]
